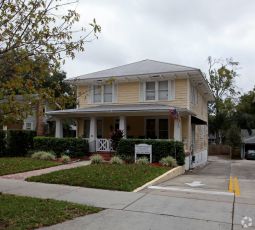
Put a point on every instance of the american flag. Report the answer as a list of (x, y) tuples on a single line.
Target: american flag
[(174, 113)]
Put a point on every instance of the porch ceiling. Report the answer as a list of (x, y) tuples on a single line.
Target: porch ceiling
[(110, 110)]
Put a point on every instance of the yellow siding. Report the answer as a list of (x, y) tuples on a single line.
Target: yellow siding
[(180, 94), (80, 127), (83, 96), (108, 126), (128, 92), (200, 108), (135, 126)]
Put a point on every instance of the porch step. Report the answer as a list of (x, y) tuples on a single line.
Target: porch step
[(105, 155)]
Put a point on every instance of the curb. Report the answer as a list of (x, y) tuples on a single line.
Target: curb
[(172, 173)]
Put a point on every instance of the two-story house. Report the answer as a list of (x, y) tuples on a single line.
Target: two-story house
[(140, 98)]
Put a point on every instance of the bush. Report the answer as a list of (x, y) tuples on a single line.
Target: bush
[(48, 156), (116, 136), (116, 160), (72, 147), (37, 155), (160, 149), (65, 159), (142, 161), (42, 155), (168, 161), (2, 142), (96, 159), (16, 143)]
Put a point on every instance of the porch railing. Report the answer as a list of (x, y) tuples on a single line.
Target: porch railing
[(103, 144)]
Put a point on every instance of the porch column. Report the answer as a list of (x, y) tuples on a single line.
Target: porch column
[(59, 128), (123, 126), (92, 134), (177, 130)]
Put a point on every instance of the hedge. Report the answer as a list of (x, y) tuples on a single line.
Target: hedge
[(160, 148), (2, 142), (16, 142), (73, 147)]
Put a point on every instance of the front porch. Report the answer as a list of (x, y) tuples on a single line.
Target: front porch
[(98, 129), (149, 121)]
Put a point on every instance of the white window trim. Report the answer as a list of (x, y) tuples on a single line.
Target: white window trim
[(25, 126), (157, 126), (171, 90), (114, 94)]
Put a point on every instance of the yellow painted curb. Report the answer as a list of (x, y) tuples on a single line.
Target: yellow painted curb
[(230, 185), (179, 170), (236, 187)]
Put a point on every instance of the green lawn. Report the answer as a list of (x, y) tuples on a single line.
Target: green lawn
[(22, 213), (10, 165), (105, 176)]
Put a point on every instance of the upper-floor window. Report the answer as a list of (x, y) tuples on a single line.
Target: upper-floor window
[(156, 90), (150, 90), (163, 90), (102, 93), (194, 95)]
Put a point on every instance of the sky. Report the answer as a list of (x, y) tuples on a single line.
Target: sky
[(182, 32)]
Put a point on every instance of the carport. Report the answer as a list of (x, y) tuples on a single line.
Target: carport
[(248, 144)]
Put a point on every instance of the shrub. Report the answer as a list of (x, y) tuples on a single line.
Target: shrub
[(2, 142), (47, 156), (19, 142), (160, 149), (116, 160), (96, 159), (116, 136), (37, 155), (168, 161), (65, 159), (43, 155), (72, 147), (142, 161)]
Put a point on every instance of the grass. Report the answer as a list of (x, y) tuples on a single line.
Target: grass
[(104, 176), (10, 165), (21, 213)]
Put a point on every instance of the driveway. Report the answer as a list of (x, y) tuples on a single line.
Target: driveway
[(171, 205)]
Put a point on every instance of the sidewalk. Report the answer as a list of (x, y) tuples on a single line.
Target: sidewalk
[(94, 197), (24, 175)]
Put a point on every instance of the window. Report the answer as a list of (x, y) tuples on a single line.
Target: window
[(156, 90), (156, 128), (28, 125), (86, 128), (102, 93), (163, 128), (97, 93), (108, 93), (150, 91), (194, 95), (163, 90), (151, 128)]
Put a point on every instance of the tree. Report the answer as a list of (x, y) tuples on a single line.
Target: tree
[(36, 36), (222, 75), (245, 111), (37, 27)]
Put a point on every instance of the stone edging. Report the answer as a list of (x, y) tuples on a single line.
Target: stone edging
[(179, 170)]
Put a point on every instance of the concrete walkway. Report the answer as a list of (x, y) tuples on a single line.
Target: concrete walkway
[(166, 210), (126, 210), (24, 175)]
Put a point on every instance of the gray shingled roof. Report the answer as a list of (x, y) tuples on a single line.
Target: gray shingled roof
[(117, 108), (137, 68)]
